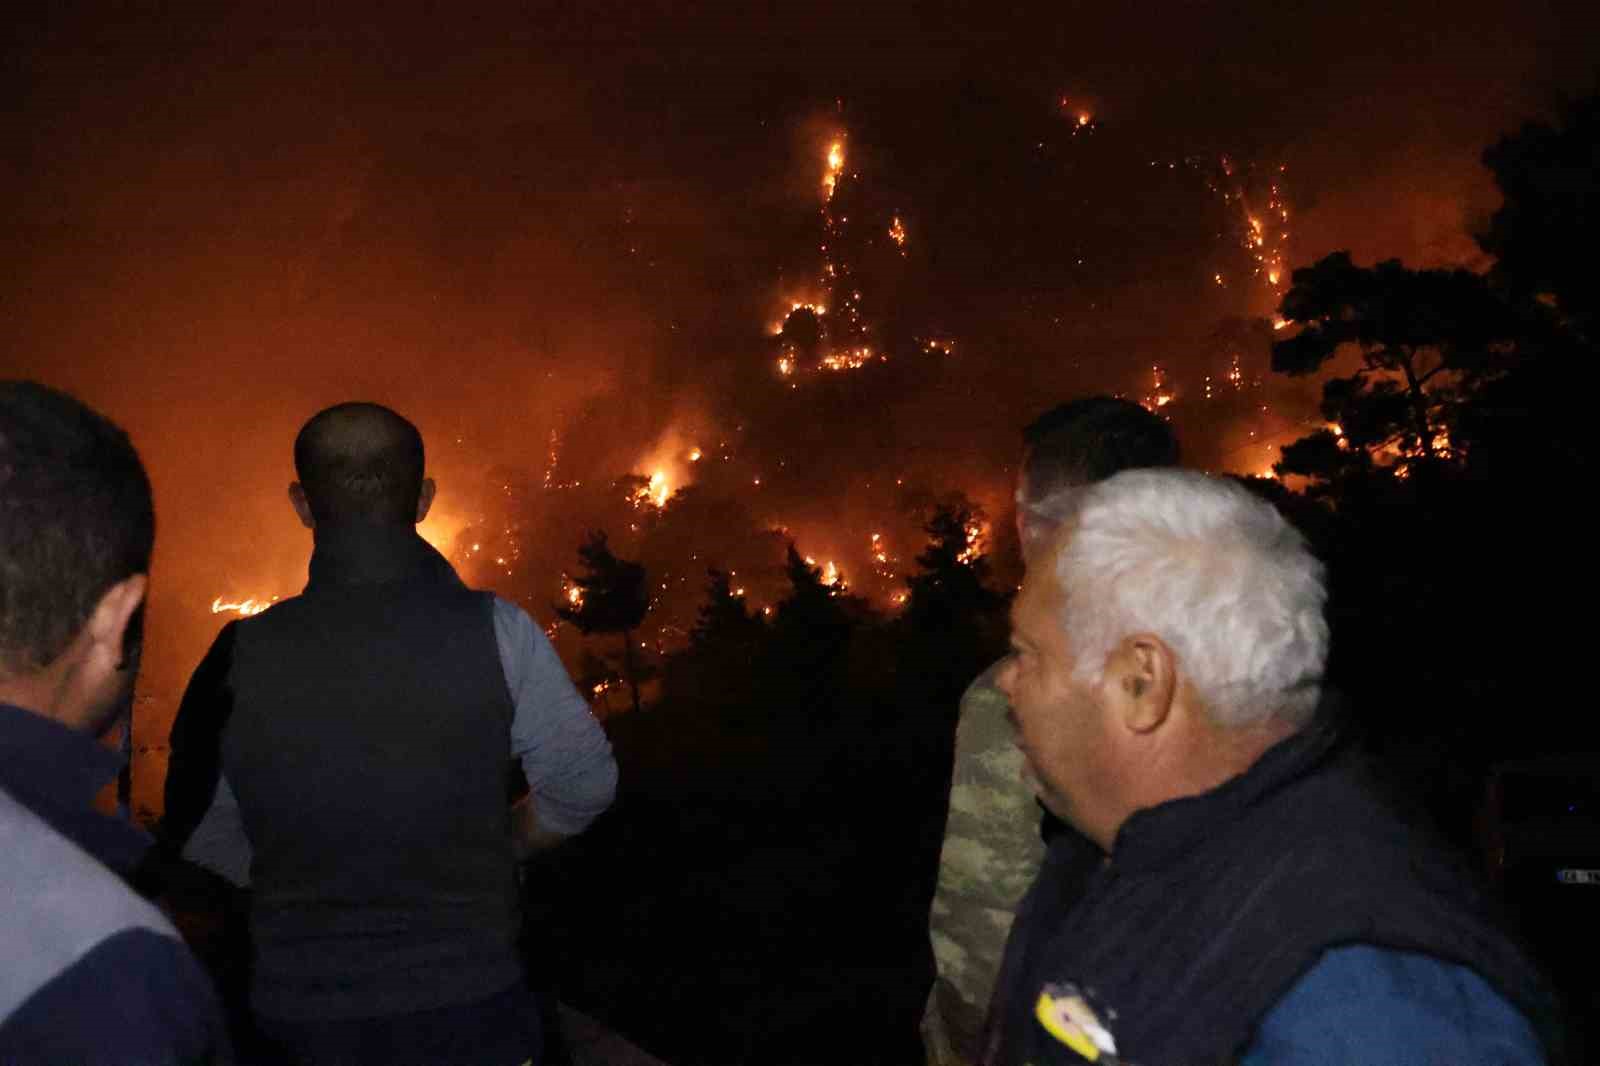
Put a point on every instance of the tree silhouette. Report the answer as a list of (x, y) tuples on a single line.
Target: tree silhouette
[(713, 687), (1524, 428), (596, 676), (724, 622), (1544, 234), (614, 598), (802, 337), (951, 582), (812, 629), (1426, 338), (952, 617), (812, 603), (1464, 416), (1325, 460)]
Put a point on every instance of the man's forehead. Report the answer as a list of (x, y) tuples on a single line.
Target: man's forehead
[(1037, 605)]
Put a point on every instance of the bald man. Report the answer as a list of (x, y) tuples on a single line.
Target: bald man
[(345, 753)]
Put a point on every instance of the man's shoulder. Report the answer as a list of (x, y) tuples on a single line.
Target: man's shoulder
[(1359, 1003), (508, 614), (57, 878), (62, 905), (137, 996)]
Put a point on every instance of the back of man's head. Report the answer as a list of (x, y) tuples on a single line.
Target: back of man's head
[(1081, 442), (76, 517), (360, 461)]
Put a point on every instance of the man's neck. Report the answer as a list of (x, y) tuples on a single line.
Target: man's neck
[(46, 693), (1209, 757)]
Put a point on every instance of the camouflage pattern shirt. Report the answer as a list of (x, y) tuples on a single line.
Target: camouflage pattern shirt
[(992, 852)]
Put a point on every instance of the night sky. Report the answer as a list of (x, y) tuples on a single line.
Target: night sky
[(530, 221)]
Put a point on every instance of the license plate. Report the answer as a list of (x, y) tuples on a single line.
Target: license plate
[(1578, 877)]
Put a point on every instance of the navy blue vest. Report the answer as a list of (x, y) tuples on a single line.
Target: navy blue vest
[(1213, 906), (368, 745)]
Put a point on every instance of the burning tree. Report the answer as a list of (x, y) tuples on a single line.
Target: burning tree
[(954, 566), (812, 609), (612, 597)]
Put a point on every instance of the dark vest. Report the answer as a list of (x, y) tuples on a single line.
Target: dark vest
[(1213, 906), (367, 746)]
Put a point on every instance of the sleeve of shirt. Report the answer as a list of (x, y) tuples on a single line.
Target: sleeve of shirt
[(1363, 1004), (219, 842), (564, 753), (194, 768), (137, 997)]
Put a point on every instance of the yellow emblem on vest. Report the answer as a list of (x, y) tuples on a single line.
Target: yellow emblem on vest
[(1067, 1016)]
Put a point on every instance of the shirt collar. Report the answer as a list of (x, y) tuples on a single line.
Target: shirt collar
[(56, 773), (42, 757), (371, 553), (1157, 835)]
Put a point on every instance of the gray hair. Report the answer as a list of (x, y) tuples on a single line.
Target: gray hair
[(1215, 573)]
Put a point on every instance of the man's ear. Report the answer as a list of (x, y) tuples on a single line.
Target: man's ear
[(1141, 680), (302, 506), (425, 498), (109, 621)]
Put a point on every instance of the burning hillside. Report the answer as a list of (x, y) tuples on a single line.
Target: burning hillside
[(815, 453)]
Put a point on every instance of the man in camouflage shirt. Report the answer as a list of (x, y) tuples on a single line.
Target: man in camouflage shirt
[(994, 840)]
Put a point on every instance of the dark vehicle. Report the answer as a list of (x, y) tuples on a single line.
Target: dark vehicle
[(1542, 831)]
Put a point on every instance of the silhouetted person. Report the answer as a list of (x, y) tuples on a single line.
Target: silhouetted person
[(993, 841), (89, 972), (347, 749), (1259, 902)]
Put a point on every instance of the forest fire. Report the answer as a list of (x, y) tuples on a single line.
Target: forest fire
[(829, 325), (841, 315)]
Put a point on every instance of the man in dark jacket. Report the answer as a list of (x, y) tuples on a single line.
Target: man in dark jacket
[(1258, 901), (346, 750), (89, 972)]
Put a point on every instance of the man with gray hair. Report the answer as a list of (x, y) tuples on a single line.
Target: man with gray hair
[(1258, 901)]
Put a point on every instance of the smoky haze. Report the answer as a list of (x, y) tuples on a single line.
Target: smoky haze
[(517, 225)]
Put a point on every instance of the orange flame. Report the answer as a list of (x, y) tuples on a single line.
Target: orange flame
[(243, 608), (830, 176)]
